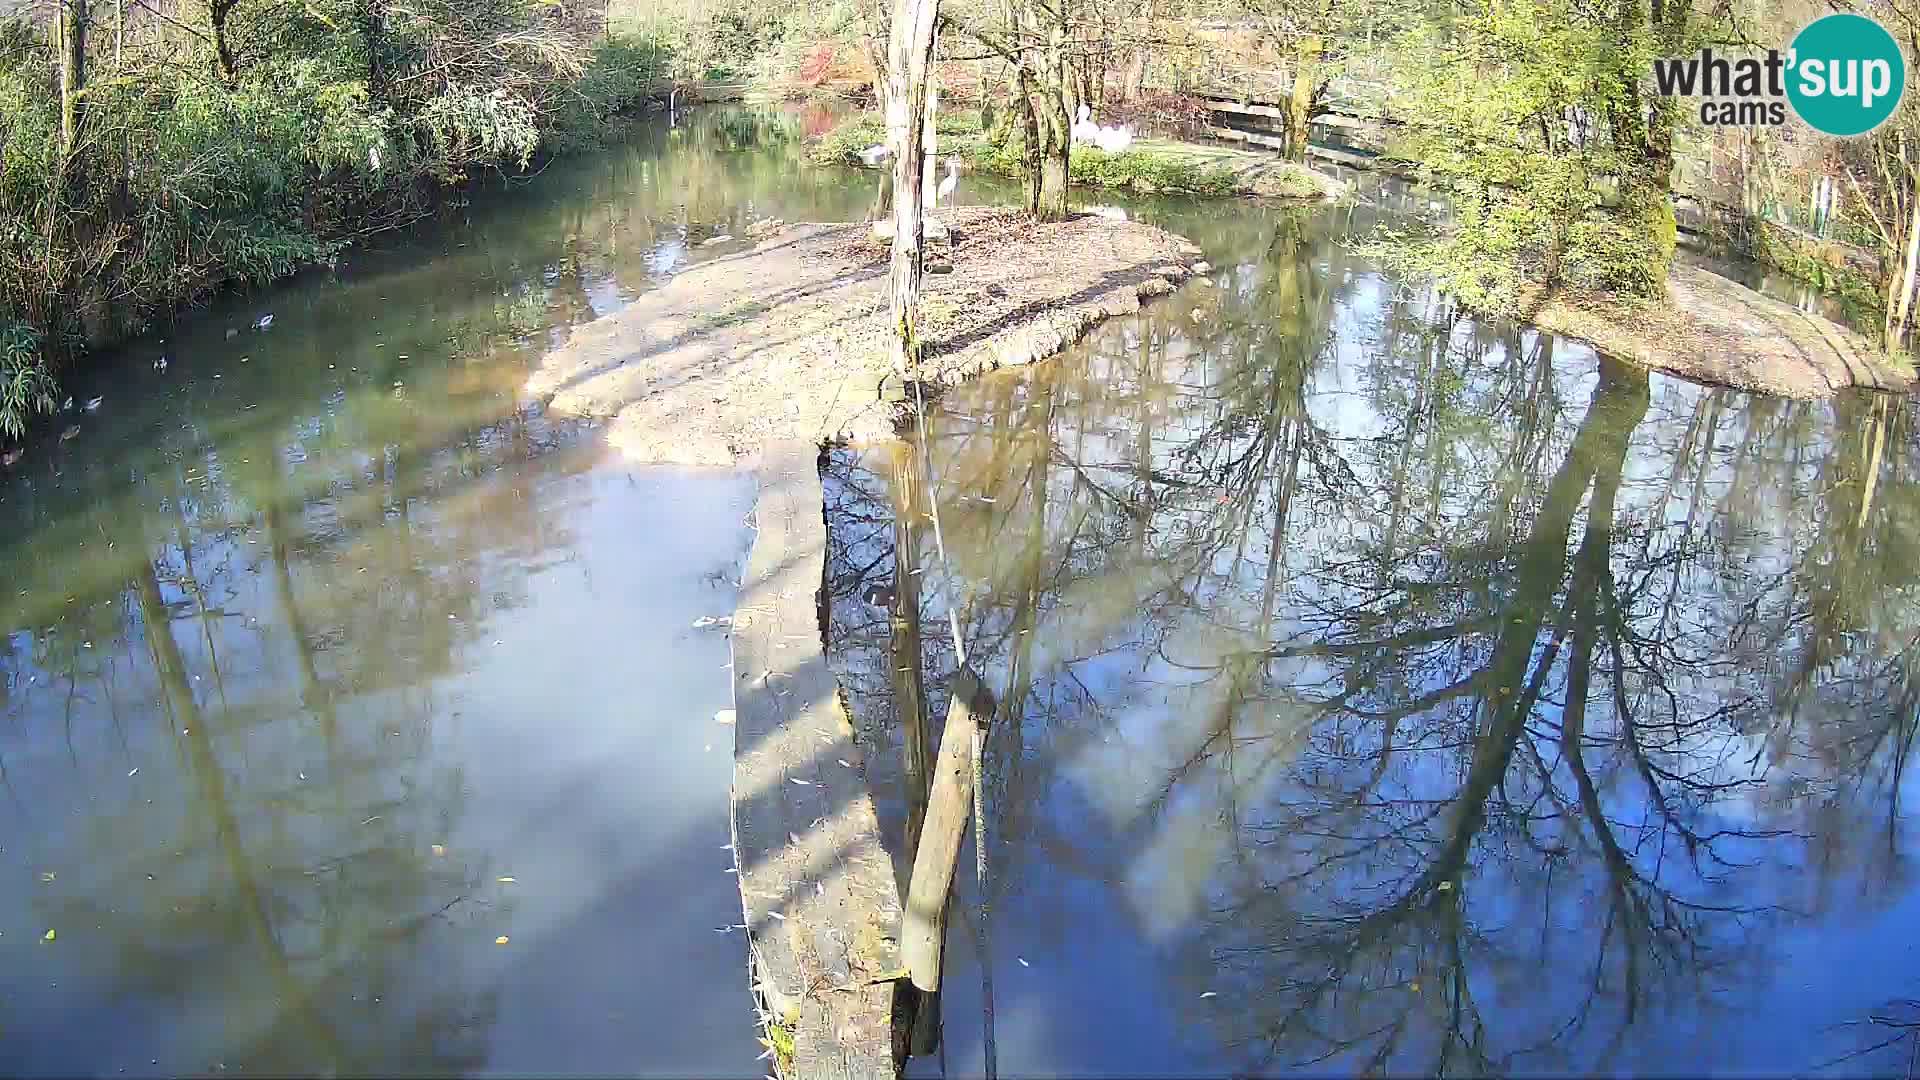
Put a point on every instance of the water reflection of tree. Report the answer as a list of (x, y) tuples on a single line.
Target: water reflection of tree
[(1522, 694), (1889, 1038), (289, 889)]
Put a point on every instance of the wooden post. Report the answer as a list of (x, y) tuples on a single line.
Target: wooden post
[(923, 926)]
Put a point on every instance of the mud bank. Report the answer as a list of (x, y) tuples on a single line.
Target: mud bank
[(1716, 331), (788, 340)]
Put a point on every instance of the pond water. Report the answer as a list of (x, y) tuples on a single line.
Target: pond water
[(1383, 692), (1391, 691), (326, 662)]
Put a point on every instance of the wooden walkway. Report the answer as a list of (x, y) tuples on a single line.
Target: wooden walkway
[(818, 888)]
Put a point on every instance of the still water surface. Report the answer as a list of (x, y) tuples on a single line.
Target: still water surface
[(1383, 692), (1393, 692), (326, 662)]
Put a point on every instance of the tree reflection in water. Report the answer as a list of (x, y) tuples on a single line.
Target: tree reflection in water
[(1447, 699)]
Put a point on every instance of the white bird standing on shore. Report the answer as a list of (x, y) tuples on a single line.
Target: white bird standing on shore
[(875, 154), (1084, 130), (1113, 139), (947, 185)]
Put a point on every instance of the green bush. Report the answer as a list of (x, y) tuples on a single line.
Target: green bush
[(959, 131), (619, 78), (1859, 293), (192, 175), (843, 144), (25, 385), (1149, 171), (724, 41)]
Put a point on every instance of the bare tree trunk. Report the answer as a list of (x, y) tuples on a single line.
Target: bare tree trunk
[(882, 199), (1907, 279), (1135, 79), (909, 56), (1030, 149), (874, 41), (217, 13), (909, 694), (1056, 124), (1300, 110), (71, 42)]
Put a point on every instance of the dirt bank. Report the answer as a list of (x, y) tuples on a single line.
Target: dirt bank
[(789, 339), (1717, 331)]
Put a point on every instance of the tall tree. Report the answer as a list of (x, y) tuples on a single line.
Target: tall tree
[(219, 12), (71, 41), (909, 62), (1034, 37), (1534, 114)]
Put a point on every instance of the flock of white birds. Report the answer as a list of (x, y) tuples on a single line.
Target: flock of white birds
[(1111, 139), (1085, 131)]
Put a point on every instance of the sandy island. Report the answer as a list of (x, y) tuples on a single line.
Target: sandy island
[(788, 340)]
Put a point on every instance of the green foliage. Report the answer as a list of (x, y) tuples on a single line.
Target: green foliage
[(1149, 171), (959, 131), (26, 387), (618, 79), (1512, 113), (843, 144), (337, 116), (466, 126), (723, 40), (1861, 295)]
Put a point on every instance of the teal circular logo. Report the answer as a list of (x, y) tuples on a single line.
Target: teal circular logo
[(1845, 74)]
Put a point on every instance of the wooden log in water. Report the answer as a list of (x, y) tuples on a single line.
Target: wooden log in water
[(924, 922)]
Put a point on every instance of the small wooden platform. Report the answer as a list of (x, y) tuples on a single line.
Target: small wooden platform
[(818, 888)]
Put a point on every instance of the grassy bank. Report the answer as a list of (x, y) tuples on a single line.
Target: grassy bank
[(1151, 167), (1825, 267), (246, 139)]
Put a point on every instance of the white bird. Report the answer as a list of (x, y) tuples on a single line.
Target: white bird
[(373, 157), (1114, 139), (160, 364), (263, 322), (875, 154), (952, 181), (1084, 130), (93, 404)]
